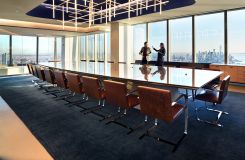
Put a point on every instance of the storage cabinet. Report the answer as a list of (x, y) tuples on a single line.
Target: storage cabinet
[(237, 73)]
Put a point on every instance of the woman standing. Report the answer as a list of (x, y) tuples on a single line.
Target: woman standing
[(161, 54)]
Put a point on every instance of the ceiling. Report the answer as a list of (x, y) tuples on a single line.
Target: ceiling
[(45, 10), (17, 9)]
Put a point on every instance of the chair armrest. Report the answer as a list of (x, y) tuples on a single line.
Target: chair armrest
[(179, 97)]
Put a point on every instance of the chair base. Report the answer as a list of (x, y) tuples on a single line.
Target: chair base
[(114, 120), (216, 122), (176, 145)]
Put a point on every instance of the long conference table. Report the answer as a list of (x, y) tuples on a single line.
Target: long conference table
[(183, 78)]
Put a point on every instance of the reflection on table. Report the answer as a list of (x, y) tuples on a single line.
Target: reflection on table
[(163, 75)]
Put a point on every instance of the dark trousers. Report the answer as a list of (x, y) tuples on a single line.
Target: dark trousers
[(144, 60)]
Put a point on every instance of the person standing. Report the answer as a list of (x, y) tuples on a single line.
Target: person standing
[(161, 53), (145, 52)]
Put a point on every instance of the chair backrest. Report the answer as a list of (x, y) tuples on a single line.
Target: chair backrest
[(116, 93), (49, 76), (29, 68), (34, 71), (91, 86), (156, 103), (224, 88), (74, 83), (60, 79), (40, 73)]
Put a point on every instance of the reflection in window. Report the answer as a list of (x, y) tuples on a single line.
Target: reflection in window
[(236, 37), (90, 47), (46, 49), (139, 37), (24, 49), (210, 38), (157, 34), (180, 40), (100, 47), (83, 47), (4, 49)]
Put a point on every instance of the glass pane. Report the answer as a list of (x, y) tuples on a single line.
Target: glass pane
[(91, 47), (236, 37), (24, 50), (180, 32), (58, 48), (46, 49), (83, 47), (210, 38), (157, 34), (101, 46), (4, 49), (139, 37), (108, 35)]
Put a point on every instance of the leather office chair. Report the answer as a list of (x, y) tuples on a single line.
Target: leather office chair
[(61, 83), (75, 85), (51, 82), (40, 74), (157, 103), (49, 76), (117, 95), (92, 88), (29, 68), (216, 97), (34, 71), (60, 79)]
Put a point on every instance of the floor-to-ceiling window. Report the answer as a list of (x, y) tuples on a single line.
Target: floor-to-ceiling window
[(157, 32), (108, 47), (58, 54), (24, 50), (83, 47), (91, 53), (139, 37), (4, 49), (100, 46), (180, 47), (236, 37), (46, 49), (209, 38)]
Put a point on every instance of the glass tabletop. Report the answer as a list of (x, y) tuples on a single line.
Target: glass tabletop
[(163, 75)]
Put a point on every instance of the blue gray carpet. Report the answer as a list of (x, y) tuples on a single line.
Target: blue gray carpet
[(67, 134)]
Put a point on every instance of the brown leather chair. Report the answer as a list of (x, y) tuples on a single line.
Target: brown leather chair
[(34, 71), (49, 76), (29, 68), (40, 73), (74, 83), (157, 103), (60, 79), (116, 94), (92, 88), (214, 96)]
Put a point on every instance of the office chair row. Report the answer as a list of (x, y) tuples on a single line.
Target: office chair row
[(153, 102)]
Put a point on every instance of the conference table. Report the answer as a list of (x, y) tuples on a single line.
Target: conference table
[(165, 76)]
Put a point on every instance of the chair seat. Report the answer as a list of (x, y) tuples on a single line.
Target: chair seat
[(208, 96), (177, 110), (133, 100)]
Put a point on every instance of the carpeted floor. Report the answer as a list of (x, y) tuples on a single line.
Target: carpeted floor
[(67, 134)]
